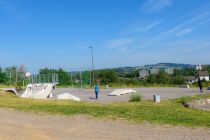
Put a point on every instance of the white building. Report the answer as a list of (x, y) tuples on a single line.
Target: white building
[(198, 67), (143, 73), (154, 71), (203, 75), (169, 70), (190, 79)]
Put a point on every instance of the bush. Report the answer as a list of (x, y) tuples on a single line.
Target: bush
[(135, 98)]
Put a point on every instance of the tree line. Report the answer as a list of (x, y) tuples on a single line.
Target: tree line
[(112, 77)]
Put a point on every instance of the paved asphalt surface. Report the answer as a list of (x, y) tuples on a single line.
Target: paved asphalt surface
[(147, 93)]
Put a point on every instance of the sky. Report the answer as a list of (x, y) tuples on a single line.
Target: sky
[(58, 33)]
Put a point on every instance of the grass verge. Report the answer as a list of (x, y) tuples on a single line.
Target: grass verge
[(167, 112)]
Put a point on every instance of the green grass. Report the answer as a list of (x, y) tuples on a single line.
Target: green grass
[(167, 112), (186, 99), (136, 97), (4, 86)]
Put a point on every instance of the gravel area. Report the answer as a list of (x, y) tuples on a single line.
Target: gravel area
[(16, 125)]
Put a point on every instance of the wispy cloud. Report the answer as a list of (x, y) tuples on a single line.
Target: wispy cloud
[(195, 20), (205, 21), (148, 27), (155, 5), (116, 43), (184, 31)]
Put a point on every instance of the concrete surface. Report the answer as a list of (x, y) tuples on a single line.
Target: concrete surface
[(147, 93)]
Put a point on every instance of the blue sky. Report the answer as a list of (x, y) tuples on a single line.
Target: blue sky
[(57, 33)]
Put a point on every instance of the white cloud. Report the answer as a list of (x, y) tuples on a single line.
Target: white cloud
[(205, 21), (148, 27), (195, 20), (184, 31), (116, 43), (155, 5)]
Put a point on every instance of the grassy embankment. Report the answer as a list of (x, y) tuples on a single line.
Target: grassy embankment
[(167, 112)]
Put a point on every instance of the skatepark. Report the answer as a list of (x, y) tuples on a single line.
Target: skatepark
[(88, 95), (49, 91)]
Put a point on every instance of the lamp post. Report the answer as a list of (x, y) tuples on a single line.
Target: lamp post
[(93, 81)]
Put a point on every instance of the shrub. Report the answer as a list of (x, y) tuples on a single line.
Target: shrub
[(135, 98)]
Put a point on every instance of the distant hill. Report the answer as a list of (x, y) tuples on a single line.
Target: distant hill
[(170, 65), (153, 66)]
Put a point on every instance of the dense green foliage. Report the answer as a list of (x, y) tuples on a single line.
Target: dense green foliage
[(206, 67), (121, 77), (106, 76), (185, 72), (166, 112), (135, 97), (3, 77)]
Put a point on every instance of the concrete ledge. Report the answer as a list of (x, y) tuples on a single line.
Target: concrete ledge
[(184, 86)]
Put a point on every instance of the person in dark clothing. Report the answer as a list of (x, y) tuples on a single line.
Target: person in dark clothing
[(97, 90), (200, 84)]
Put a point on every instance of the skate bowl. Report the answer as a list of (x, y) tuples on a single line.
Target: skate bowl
[(38, 91)]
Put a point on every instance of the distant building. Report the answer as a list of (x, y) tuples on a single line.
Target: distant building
[(143, 73), (190, 79), (154, 71), (198, 67), (169, 70), (203, 75)]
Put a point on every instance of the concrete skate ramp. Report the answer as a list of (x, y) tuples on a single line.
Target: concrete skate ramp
[(12, 90), (68, 96), (38, 91), (118, 92)]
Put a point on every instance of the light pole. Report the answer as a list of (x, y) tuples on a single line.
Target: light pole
[(71, 80), (80, 78), (93, 81)]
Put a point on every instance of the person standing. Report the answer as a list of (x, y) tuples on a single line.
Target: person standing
[(200, 84), (97, 90)]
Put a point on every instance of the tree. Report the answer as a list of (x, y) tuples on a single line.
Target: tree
[(63, 77), (106, 76), (3, 78)]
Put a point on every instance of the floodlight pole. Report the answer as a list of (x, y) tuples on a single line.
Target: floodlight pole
[(90, 77), (10, 77), (93, 81), (16, 78), (80, 79), (71, 80)]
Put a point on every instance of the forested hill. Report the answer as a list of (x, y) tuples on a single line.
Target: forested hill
[(151, 66)]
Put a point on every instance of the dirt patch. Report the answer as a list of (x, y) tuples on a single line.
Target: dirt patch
[(202, 104), (21, 125)]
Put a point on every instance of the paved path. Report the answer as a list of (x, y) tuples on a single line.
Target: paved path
[(147, 93), (15, 125)]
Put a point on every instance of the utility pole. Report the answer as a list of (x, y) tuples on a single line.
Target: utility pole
[(93, 79), (90, 77), (71, 80), (16, 78), (10, 77), (80, 78)]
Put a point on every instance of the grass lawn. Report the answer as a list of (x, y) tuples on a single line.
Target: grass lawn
[(167, 112), (4, 86)]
